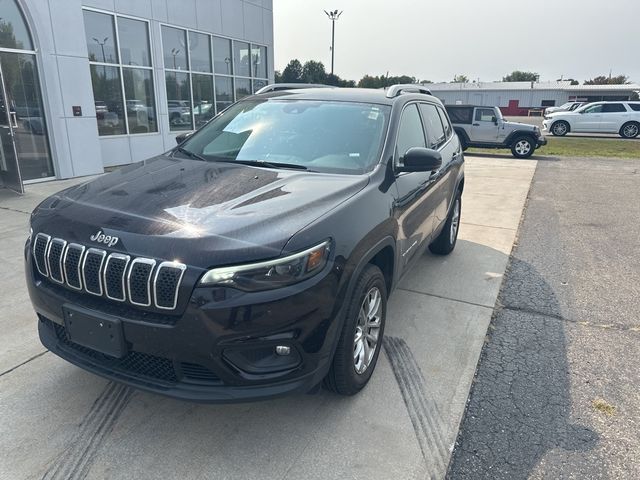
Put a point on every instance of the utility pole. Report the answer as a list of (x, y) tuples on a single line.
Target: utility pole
[(333, 16)]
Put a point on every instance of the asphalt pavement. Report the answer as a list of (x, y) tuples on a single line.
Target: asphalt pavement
[(557, 390)]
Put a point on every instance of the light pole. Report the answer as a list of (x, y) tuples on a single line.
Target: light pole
[(101, 43), (333, 16)]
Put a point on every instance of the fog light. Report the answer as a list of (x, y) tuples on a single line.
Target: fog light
[(283, 350)]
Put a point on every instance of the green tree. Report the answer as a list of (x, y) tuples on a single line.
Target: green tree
[(460, 79), (292, 73), (383, 81), (604, 80), (313, 72), (518, 76)]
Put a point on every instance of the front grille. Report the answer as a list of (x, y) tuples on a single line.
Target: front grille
[(115, 276), (54, 259), (137, 364), (167, 280)]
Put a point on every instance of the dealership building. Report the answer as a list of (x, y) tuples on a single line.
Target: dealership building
[(89, 84), (523, 98)]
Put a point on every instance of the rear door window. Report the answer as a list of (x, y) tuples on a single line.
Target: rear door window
[(635, 107), (433, 125), (613, 108)]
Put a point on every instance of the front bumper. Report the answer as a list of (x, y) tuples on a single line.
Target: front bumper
[(542, 141), (221, 349)]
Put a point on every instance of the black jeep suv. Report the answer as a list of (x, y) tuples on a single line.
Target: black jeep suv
[(256, 258)]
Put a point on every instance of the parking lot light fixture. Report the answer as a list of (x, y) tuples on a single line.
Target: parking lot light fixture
[(333, 15)]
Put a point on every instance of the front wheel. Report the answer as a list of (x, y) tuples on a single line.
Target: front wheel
[(361, 338), (522, 147), (560, 128), (446, 241), (630, 130)]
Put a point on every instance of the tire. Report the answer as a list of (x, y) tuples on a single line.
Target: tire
[(560, 128), (630, 130), (523, 147), (446, 241), (349, 373)]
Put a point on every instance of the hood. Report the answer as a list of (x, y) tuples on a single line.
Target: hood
[(519, 126), (201, 213)]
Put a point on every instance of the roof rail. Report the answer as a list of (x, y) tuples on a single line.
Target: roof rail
[(395, 90), (276, 87)]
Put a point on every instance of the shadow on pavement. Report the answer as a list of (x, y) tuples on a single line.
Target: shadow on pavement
[(520, 404)]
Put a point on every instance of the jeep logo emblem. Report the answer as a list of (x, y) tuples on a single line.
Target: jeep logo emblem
[(100, 237)]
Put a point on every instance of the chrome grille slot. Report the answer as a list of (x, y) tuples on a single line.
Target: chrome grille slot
[(143, 282), (166, 284), (113, 276), (54, 259), (139, 281), (71, 264), (40, 247), (91, 268)]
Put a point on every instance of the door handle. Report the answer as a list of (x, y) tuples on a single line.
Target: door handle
[(14, 119), (476, 124)]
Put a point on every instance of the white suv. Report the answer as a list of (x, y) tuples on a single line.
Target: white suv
[(622, 118)]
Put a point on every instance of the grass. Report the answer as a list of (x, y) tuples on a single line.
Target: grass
[(603, 407), (582, 147)]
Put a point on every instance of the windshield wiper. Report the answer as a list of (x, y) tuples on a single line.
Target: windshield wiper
[(260, 163), (191, 154)]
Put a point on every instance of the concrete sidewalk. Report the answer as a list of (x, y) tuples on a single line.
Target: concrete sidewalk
[(60, 422)]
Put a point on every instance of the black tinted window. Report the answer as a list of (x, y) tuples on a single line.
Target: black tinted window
[(460, 114), (635, 107), (613, 108), (433, 125), (410, 132), (448, 129)]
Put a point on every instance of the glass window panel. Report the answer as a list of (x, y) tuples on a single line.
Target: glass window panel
[(222, 56), (101, 37), (30, 129), (243, 88), (241, 59), (138, 92), (178, 101), (174, 47), (224, 92), (258, 84), (107, 94), (134, 42), (200, 51), (203, 101), (259, 61), (14, 32)]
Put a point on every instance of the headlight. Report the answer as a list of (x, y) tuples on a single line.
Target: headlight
[(272, 273)]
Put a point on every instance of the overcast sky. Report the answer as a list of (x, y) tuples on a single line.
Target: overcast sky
[(485, 39)]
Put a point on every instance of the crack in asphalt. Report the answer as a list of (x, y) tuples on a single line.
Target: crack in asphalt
[(23, 363), (608, 326)]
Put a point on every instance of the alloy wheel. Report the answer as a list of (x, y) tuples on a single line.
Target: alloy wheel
[(523, 147), (630, 131), (560, 129), (365, 341)]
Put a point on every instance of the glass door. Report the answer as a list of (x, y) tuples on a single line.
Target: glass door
[(9, 169)]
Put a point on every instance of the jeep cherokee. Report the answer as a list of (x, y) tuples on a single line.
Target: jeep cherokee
[(256, 258)]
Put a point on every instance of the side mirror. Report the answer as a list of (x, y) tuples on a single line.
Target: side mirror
[(182, 137), (494, 120), (419, 159)]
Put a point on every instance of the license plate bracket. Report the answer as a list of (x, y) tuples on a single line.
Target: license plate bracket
[(99, 332)]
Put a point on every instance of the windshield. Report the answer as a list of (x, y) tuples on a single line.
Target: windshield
[(338, 137)]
